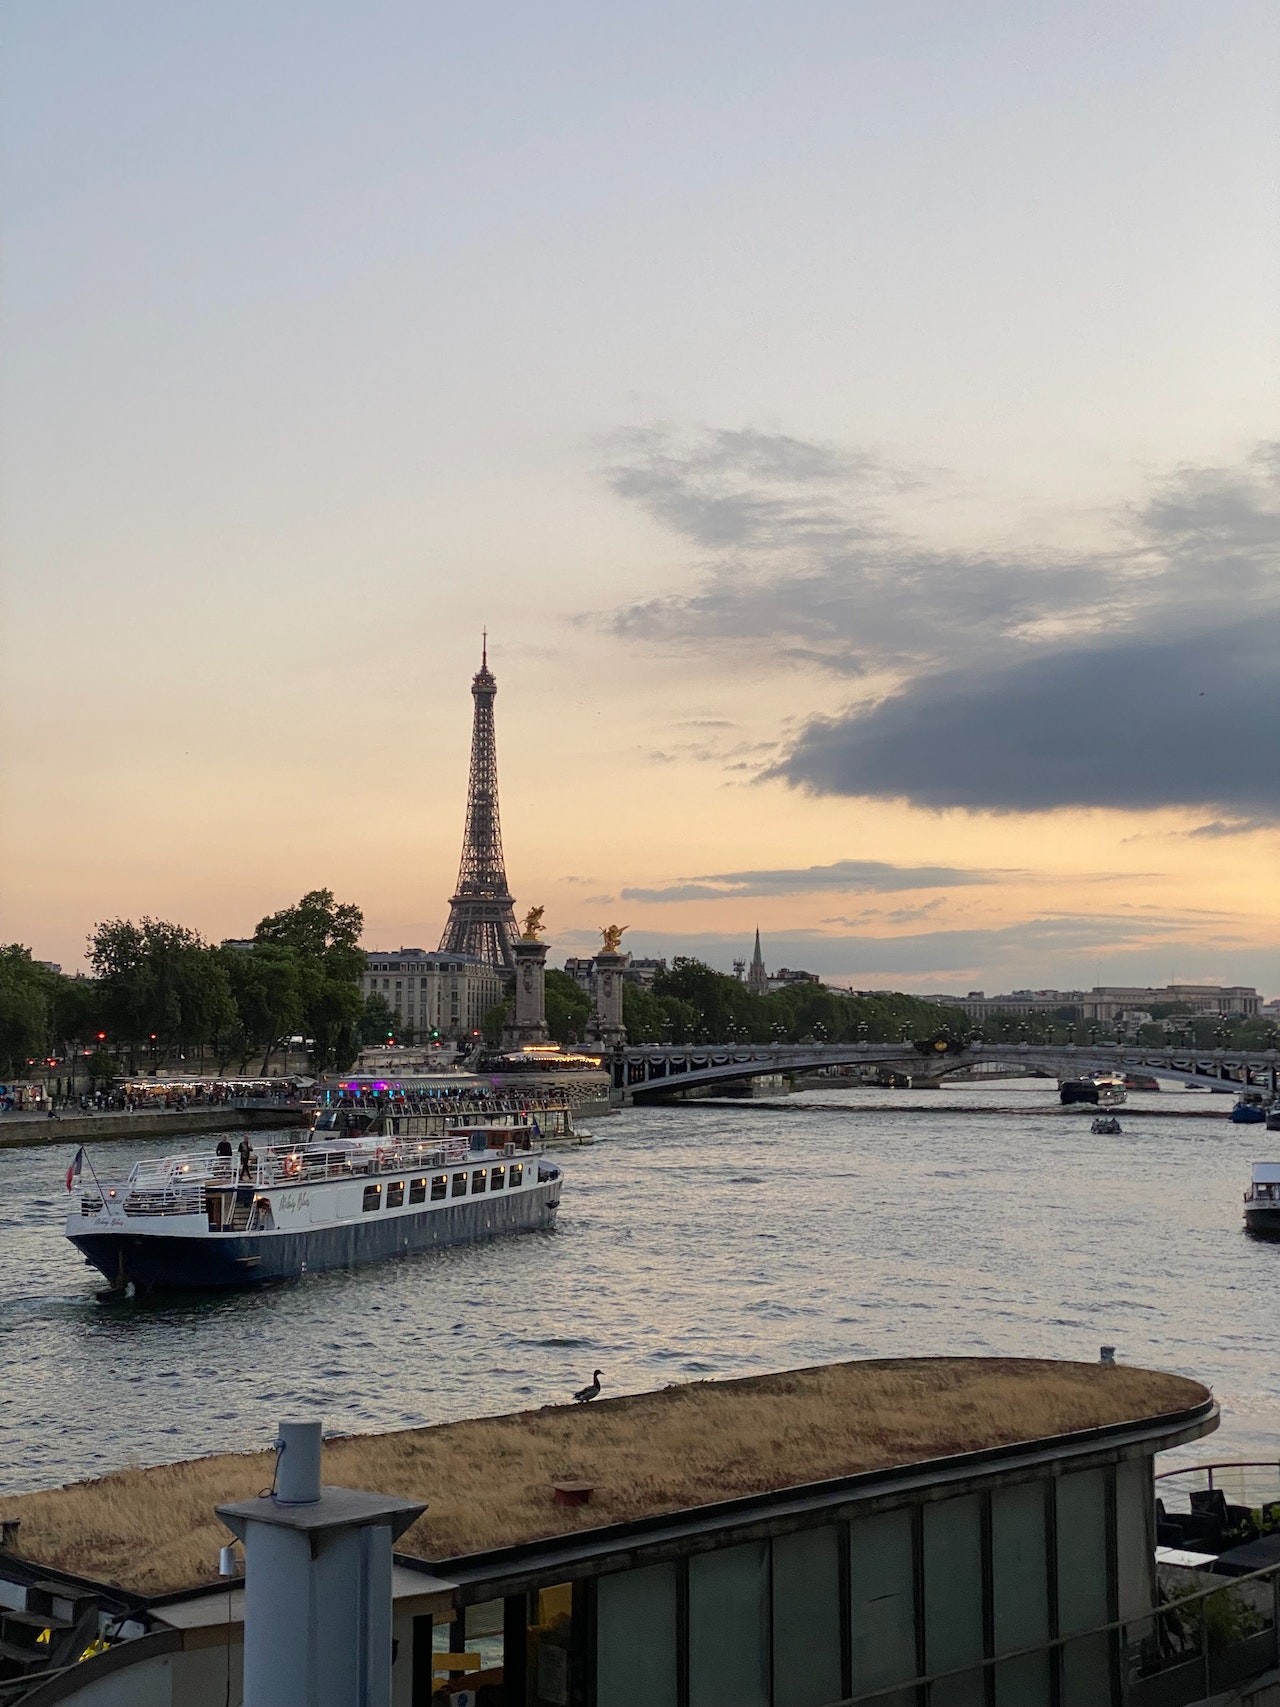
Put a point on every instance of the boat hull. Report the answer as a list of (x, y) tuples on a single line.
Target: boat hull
[(1262, 1220), (157, 1261)]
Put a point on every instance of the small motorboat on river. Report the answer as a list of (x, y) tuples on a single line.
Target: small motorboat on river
[(1262, 1201), (1250, 1109), (1107, 1126), (335, 1198)]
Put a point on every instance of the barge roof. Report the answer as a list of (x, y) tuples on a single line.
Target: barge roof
[(488, 1481)]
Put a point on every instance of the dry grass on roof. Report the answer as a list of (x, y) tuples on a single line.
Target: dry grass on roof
[(488, 1482)]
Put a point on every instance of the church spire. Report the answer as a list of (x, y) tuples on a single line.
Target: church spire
[(757, 977)]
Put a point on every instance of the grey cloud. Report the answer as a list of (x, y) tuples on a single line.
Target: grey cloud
[(801, 567), (1066, 951), (1231, 827), (676, 892), (848, 876), (1130, 723)]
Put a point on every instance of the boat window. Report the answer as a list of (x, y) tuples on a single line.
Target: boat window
[(395, 1194), (439, 1183), (372, 1198), (497, 1179), (477, 1181), (417, 1191), (459, 1185), (517, 1172)]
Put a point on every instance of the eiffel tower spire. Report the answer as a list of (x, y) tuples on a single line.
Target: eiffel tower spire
[(482, 922)]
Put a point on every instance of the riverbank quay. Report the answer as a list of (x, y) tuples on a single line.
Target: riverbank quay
[(22, 1131), (817, 1535)]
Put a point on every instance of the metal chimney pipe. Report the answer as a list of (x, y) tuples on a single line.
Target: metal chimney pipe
[(317, 1581), (298, 1464)]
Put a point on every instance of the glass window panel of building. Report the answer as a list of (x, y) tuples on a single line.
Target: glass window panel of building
[(1083, 1597), (882, 1604), (729, 1627), (1020, 1593), (953, 1613), (807, 1670), (636, 1642)]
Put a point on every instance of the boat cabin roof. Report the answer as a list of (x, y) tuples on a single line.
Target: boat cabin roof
[(1266, 1173), (489, 1482)]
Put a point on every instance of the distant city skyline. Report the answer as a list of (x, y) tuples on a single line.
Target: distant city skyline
[(855, 426)]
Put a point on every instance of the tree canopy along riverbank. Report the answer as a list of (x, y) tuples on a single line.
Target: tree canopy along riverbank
[(158, 990)]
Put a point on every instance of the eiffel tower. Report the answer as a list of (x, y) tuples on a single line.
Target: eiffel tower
[(482, 922)]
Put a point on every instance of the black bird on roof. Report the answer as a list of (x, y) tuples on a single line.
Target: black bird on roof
[(591, 1392)]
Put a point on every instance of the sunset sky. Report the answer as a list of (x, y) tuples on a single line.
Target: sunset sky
[(855, 423)]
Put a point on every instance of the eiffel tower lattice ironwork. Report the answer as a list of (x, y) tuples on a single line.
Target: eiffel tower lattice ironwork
[(482, 920)]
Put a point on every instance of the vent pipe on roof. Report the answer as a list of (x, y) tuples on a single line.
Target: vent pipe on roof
[(317, 1584), (298, 1463), (1106, 1354)]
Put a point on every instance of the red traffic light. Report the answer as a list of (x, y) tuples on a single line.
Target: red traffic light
[(102, 1037)]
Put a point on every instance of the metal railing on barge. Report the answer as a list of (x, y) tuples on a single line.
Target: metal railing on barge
[(180, 1185)]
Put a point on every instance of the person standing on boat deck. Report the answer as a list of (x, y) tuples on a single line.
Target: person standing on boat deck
[(222, 1167), (246, 1156)]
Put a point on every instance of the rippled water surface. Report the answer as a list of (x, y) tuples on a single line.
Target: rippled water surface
[(691, 1242)]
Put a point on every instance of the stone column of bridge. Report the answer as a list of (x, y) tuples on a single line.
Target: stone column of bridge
[(528, 1023), (607, 1026)]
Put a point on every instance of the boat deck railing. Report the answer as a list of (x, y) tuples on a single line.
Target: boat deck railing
[(180, 1185)]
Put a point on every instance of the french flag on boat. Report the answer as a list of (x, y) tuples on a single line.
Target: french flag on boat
[(73, 1172)]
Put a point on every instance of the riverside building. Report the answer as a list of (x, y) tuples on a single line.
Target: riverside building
[(1109, 1001), (956, 1531), (430, 990)]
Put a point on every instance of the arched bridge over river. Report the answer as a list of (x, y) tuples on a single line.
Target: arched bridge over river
[(651, 1072)]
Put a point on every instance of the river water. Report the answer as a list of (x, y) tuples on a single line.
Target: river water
[(692, 1241)]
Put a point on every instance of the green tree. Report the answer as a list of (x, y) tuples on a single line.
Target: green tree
[(325, 935), (377, 1021), (495, 1018), (568, 1007), (25, 1010), (103, 1065), (160, 980), (267, 983), (642, 1014)]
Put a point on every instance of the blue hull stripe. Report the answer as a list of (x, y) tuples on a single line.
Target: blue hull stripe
[(248, 1259)]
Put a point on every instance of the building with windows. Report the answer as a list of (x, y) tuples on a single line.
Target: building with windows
[(952, 1530), (642, 972), (1109, 1001), (785, 976), (429, 990)]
